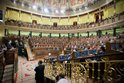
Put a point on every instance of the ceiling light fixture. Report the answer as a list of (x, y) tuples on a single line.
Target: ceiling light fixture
[(22, 4), (34, 7), (62, 11), (14, 1), (46, 10), (56, 11), (86, 7)]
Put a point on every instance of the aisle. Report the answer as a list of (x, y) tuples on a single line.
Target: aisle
[(29, 53), (26, 73)]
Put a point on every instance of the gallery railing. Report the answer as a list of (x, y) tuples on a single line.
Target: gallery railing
[(90, 71)]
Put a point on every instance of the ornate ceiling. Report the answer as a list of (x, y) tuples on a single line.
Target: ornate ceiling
[(56, 8)]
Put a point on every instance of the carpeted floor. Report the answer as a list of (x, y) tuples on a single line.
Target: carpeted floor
[(26, 73)]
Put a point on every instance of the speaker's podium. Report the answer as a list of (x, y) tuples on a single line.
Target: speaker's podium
[(111, 47), (112, 51)]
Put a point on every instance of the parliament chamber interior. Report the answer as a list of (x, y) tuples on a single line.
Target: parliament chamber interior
[(81, 39)]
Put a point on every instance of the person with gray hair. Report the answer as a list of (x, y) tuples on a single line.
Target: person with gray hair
[(61, 79)]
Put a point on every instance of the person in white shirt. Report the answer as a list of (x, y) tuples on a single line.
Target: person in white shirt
[(62, 79)]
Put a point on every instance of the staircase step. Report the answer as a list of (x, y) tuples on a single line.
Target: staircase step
[(1, 71), (8, 78), (1, 68), (8, 81), (0, 77), (9, 66), (1, 74), (8, 74), (8, 70)]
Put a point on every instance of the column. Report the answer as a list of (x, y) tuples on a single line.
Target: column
[(77, 35), (114, 31), (99, 33), (68, 35), (87, 33), (59, 35), (30, 34), (40, 34), (19, 33), (50, 35)]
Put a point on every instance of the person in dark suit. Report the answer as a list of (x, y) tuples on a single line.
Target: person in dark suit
[(39, 75)]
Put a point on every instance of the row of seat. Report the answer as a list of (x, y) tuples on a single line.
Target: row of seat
[(76, 55)]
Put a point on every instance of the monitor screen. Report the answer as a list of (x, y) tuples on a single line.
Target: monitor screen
[(85, 53), (78, 54), (113, 46), (51, 59), (61, 58)]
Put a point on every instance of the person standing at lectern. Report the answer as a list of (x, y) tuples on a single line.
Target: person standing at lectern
[(39, 75)]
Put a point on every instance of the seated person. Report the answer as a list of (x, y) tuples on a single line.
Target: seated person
[(4, 48), (61, 79), (9, 46), (102, 50)]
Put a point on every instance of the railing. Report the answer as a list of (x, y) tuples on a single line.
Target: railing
[(114, 21), (90, 71)]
